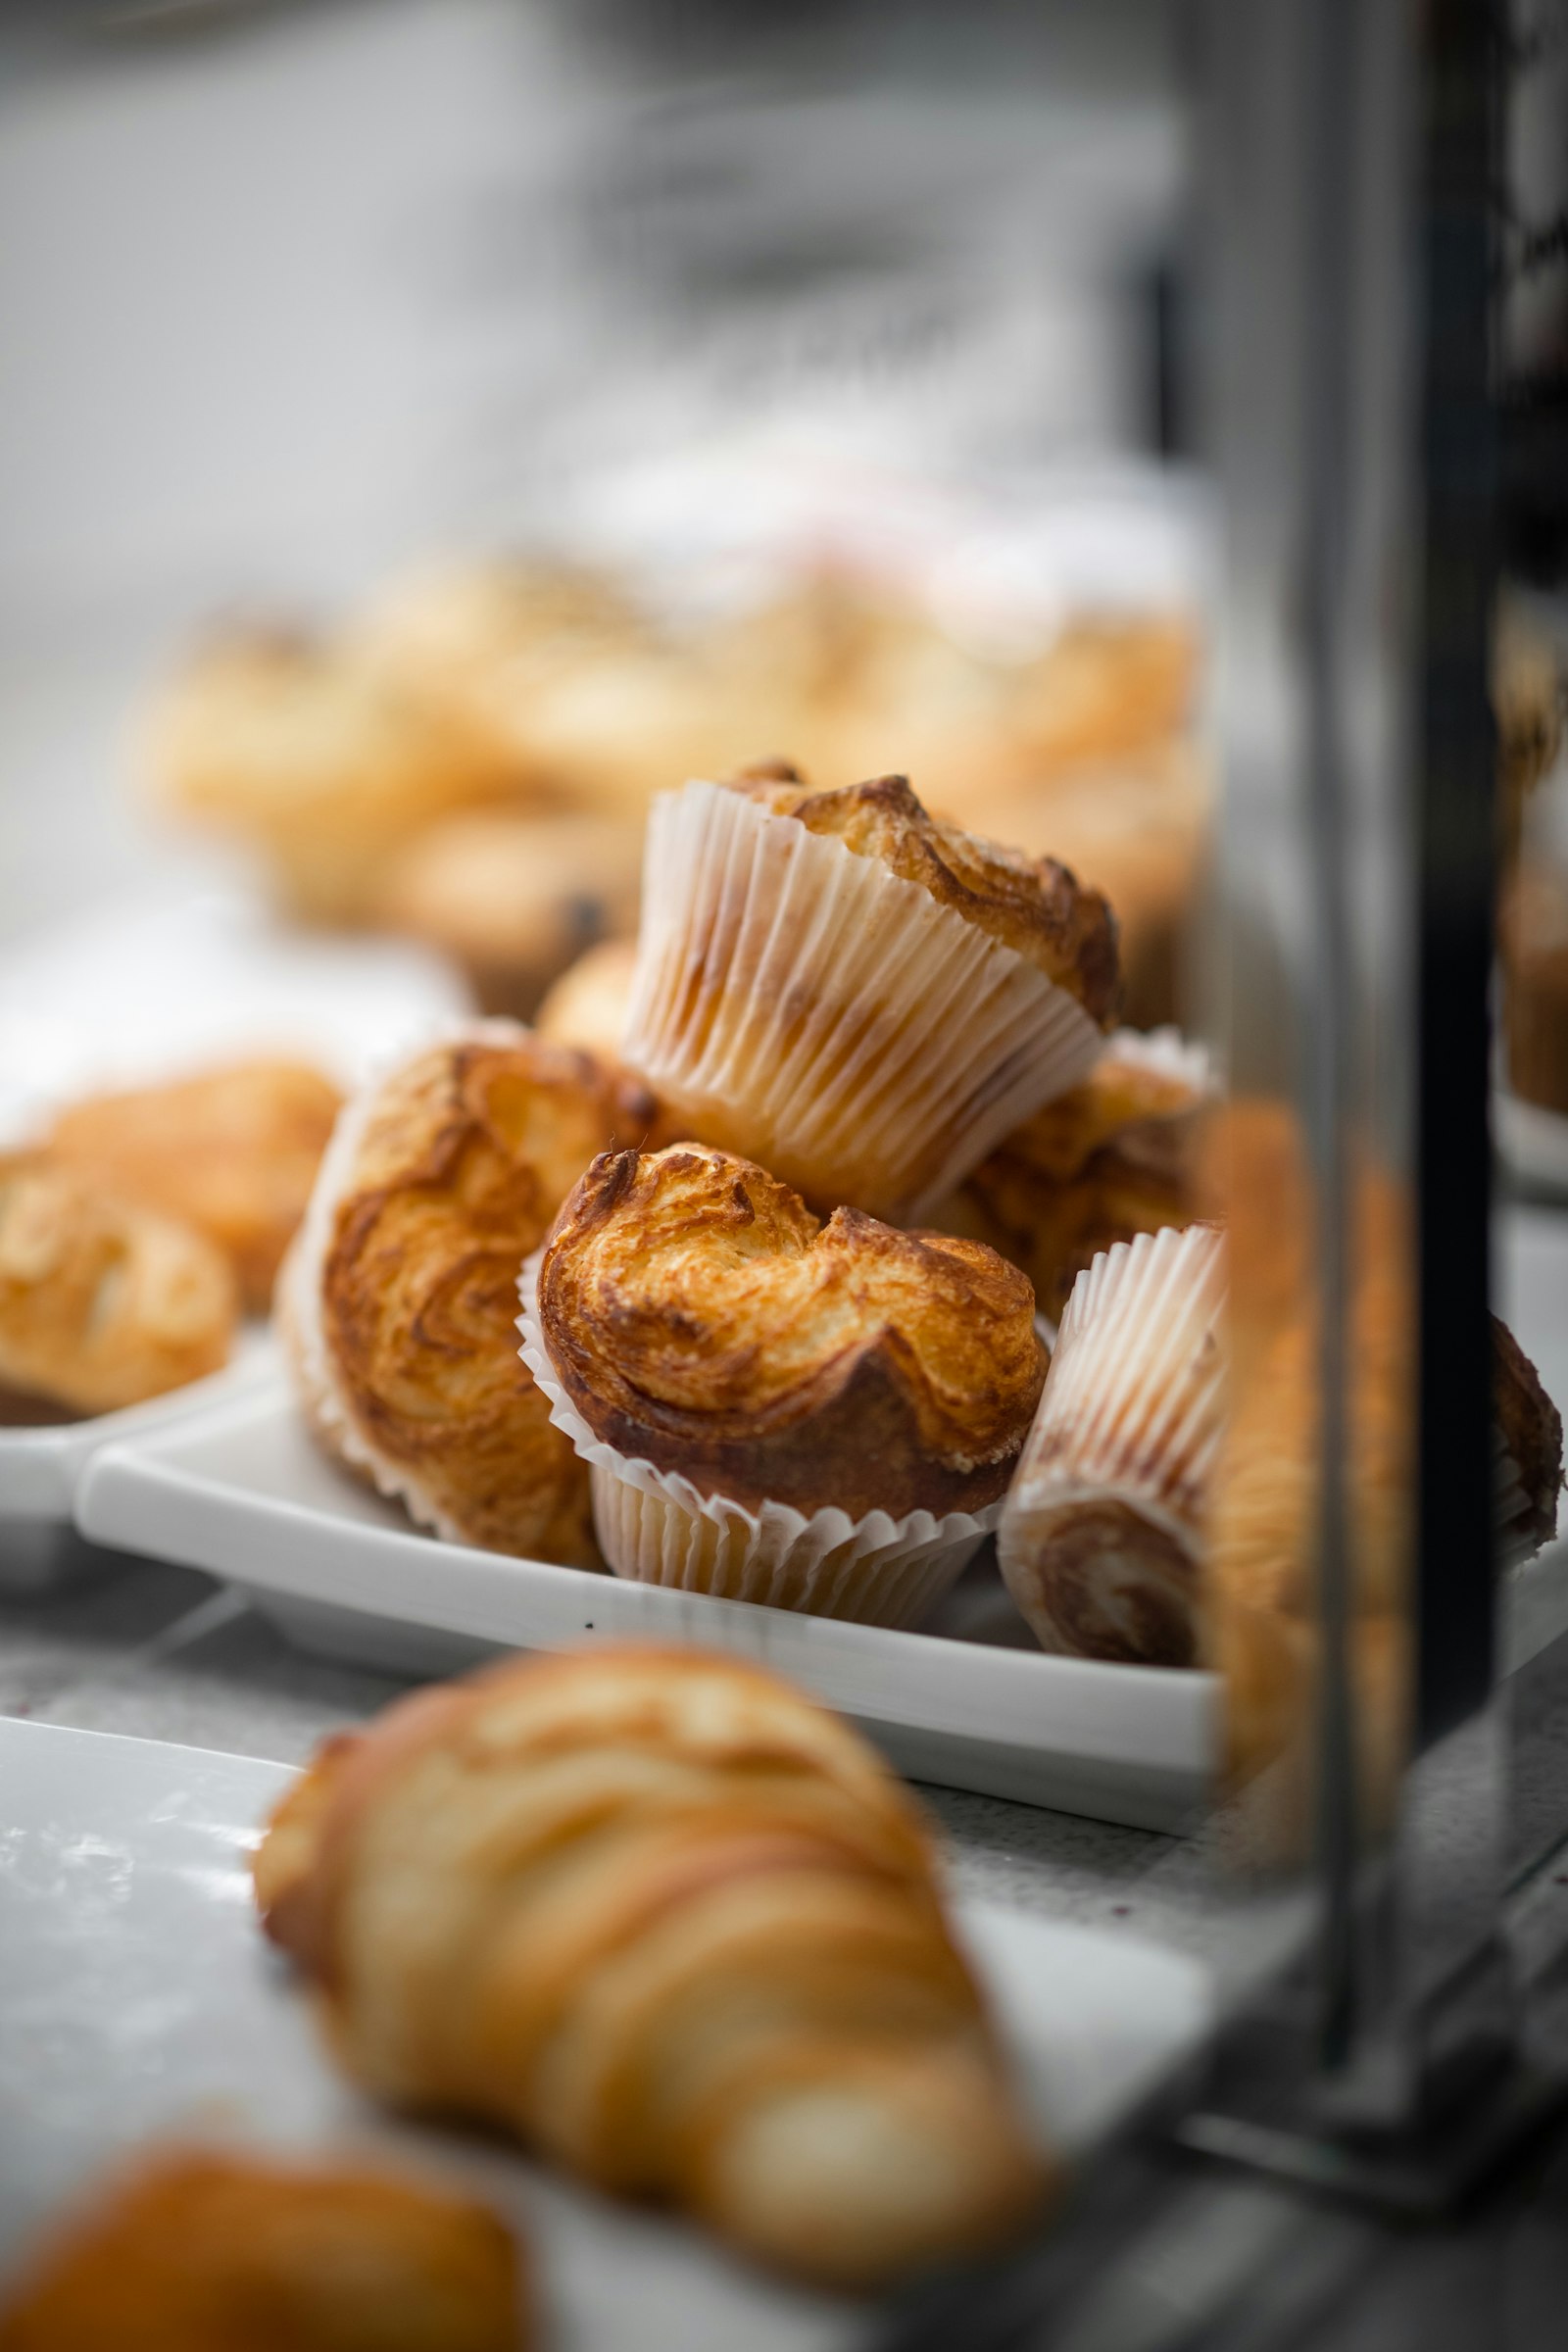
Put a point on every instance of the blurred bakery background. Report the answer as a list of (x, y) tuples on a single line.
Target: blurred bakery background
[(435, 425)]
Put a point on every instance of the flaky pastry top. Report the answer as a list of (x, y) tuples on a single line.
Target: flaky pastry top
[(1032, 905), (701, 1318)]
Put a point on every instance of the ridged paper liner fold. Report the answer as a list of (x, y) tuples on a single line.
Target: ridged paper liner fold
[(654, 1526), (817, 1012), (1127, 1437), (299, 1290)]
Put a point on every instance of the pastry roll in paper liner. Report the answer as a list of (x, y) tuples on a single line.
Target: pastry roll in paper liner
[(656, 1528), (808, 1008), (299, 1287), (1101, 1534)]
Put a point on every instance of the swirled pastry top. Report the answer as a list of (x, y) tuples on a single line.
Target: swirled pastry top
[(463, 1157), (1030, 905), (701, 1318)]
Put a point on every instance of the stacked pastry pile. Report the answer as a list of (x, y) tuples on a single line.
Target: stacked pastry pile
[(472, 758), (138, 1227), (788, 1189)]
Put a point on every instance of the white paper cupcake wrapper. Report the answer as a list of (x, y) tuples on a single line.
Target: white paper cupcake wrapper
[(1133, 1401), (299, 1304), (1131, 1417), (831, 1020), (1513, 1519), (656, 1526)]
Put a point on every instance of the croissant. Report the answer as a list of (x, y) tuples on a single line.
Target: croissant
[(208, 2252), (676, 1927)]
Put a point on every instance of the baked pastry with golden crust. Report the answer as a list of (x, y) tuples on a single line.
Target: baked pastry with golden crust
[(103, 1303), (587, 1006), (1529, 1430), (1112, 1157), (700, 1317), (208, 2252), (234, 1152), (400, 1299), (676, 1927), (514, 896), (1030, 905), (857, 996), (315, 757)]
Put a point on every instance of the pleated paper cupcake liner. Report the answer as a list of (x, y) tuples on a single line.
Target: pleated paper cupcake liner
[(656, 1526), (808, 1008), (298, 1289), (1099, 1536)]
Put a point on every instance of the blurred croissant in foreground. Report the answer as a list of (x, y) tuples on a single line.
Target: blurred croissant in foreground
[(676, 1927), (208, 2252)]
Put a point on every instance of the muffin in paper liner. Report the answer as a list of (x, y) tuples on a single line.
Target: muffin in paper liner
[(1101, 1534), (657, 1528), (808, 1008)]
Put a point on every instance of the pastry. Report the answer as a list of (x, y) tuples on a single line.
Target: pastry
[(1112, 1157), (674, 1926), (234, 1152), (1138, 830), (817, 1416), (1528, 1434), (587, 1006), (513, 898), (400, 1297), (199, 2251), (102, 1302), (859, 996), (1102, 1537), (310, 755)]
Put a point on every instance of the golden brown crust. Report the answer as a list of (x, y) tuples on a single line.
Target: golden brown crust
[(103, 1303), (208, 2252), (587, 1006), (1030, 905), (701, 1318), (459, 1167), (323, 761), (234, 1152), (1108, 1159), (1531, 1430), (659, 1914)]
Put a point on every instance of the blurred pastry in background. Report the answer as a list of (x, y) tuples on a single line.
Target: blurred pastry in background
[(1138, 831), (677, 1928), (1533, 939), (1528, 685), (1528, 1436), (103, 1302), (313, 758), (515, 899), (1115, 1156), (587, 1006), (234, 1152), (399, 1300), (208, 2251)]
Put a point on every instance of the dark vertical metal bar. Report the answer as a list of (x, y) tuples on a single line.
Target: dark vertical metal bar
[(1329, 98), (1454, 1605)]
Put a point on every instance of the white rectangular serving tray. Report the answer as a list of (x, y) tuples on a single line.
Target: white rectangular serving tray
[(138, 1998), (242, 1492), (41, 1463)]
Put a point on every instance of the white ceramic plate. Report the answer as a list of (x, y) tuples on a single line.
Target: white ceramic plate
[(138, 1997), (40, 1466), (242, 1492)]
